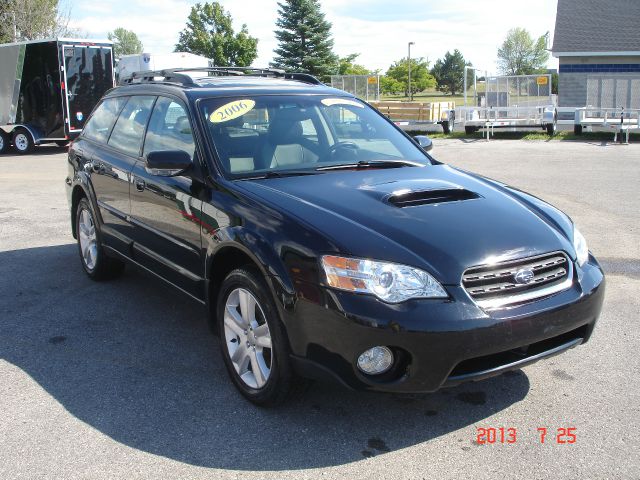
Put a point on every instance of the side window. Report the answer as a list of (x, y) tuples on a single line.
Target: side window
[(169, 128), (128, 133), (100, 123)]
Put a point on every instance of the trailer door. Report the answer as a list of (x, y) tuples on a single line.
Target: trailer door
[(88, 73)]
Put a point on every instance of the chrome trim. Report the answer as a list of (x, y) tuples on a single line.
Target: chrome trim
[(494, 303)]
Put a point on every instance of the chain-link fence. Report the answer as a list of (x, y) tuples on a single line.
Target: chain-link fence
[(366, 87), (509, 90)]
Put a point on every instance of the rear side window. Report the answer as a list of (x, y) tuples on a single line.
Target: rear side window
[(169, 128), (100, 123), (128, 133)]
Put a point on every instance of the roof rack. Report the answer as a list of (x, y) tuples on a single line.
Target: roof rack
[(176, 75)]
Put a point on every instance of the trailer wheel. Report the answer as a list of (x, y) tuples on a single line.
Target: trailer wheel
[(4, 141), (470, 130), (447, 127), (577, 129), (22, 141), (551, 129)]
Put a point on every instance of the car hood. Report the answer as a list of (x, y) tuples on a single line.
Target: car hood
[(437, 217)]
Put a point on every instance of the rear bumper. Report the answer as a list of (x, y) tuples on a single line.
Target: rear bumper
[(437, 343)]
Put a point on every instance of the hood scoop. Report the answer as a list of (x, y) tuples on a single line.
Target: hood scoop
[(430, 197)]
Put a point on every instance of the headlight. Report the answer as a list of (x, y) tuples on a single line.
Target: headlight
[(390, 282), (580, 244)]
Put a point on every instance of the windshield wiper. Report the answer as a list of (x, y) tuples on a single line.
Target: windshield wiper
[(372, 164), (284, 173)]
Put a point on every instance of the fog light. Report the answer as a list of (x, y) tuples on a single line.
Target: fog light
[(375, 361)]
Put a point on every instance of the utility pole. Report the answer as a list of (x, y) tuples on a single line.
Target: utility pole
[(409, 63)]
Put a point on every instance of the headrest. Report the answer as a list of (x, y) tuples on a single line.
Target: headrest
[(182, 126)]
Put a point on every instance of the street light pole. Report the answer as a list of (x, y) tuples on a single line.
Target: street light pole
[(409, 60)]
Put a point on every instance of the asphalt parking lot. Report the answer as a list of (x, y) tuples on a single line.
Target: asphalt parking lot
[(123, 380)]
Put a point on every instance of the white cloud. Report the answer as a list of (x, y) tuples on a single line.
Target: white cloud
[(377, 29)]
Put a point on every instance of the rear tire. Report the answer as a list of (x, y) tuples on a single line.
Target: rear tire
[(577, 129), (95, 261), (23, 141), (470, 130), (252, 339), (4, 141)]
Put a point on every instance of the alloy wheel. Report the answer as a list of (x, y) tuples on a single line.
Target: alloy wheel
[(88, 239), (248, 339)]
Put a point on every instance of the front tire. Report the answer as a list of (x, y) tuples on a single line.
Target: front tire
[(252, 339), (23, 141), (94, 260)]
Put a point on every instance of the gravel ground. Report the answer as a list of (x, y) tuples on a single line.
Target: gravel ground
[(123, 380)]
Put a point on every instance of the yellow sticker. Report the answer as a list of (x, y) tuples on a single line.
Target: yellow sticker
[(232, 110), (340, 101), (542, 80)]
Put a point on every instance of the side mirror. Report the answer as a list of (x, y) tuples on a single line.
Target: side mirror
[(425, 142), (167, 163)]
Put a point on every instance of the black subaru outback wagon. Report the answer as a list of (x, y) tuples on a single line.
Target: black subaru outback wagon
[(325, 241)]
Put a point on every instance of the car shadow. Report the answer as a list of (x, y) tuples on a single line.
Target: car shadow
[(136, 361)]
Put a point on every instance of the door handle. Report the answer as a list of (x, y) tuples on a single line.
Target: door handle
[(139, 184)]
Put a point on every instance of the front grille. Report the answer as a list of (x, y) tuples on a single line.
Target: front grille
[(517, 281)]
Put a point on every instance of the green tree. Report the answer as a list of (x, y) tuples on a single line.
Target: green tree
[(520, 54), (347, 66), (32, 20), (449, 72), (125, 42), (421, 79), (391, 86), (304, 39), (209, 32)]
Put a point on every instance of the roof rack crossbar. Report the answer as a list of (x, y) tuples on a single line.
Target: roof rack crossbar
[(176, 75)]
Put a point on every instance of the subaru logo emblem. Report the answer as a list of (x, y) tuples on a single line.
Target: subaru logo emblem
[(524, 276)]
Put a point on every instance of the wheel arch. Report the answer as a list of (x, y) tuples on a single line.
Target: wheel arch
[(36, 134), (231, 255), (80, 189)]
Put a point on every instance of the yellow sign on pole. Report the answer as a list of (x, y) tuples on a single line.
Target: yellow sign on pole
[(372, 80), (542, 80)]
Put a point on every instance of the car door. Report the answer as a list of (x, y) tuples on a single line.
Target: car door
[(112, 161), (108, 171), (165, 210)]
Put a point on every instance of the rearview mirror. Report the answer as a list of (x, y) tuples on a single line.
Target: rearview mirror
[(425, 142), (167, 163)]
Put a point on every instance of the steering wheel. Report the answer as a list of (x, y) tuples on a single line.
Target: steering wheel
[(350, 147)]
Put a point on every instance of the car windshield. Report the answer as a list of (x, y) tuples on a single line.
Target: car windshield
[(271, 135)]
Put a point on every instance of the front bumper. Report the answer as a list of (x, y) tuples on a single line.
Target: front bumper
[(437, 343)]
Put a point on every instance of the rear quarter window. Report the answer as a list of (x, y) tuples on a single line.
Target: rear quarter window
[(101, 122)]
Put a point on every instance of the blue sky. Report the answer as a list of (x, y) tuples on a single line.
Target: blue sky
[(376, 29)]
